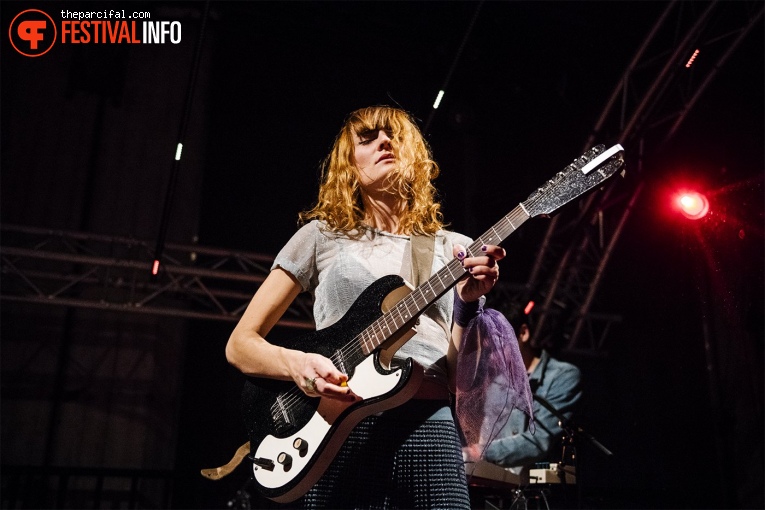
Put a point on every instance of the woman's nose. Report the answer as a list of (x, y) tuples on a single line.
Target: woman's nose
[(383, 139)]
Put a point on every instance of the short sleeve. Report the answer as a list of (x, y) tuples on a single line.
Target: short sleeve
[(298, 256)]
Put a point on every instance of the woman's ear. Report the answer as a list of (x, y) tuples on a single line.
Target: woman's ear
[(523, 333)]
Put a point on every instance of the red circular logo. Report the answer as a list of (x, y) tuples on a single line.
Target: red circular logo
[(32, 33)]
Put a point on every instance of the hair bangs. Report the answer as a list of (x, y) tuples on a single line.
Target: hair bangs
[(370, 119)]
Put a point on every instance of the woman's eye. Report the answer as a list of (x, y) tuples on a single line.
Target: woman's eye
[(365, 142)]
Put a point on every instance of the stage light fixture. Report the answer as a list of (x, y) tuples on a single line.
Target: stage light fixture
[(693, 57), (693, 205), (439, 97)]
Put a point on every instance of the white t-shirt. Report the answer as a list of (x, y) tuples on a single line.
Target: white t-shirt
[(336, 268)]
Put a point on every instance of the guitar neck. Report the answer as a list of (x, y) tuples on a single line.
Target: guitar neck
[(436, 286)]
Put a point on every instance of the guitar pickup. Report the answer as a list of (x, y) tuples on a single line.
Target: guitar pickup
[(339, 361), (281, 415)]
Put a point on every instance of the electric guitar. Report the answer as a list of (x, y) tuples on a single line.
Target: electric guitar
[(293, 437)]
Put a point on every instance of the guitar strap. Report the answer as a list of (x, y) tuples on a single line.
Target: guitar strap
[(422, 257), (423, 248), (220, 472)]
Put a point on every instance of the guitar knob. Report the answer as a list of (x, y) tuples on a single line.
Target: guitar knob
[(285, 460), (301, 446)]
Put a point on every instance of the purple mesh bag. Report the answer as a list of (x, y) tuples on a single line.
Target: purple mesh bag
[(491, 381)]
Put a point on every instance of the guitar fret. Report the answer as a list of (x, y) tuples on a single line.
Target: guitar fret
[(410, 305), (378, 336), (391, 321), (427, 287), (408, 311), (440, 281), (417, 298), (400, 321), (368, 343), (372, 335), (495, 240), (386, 325), (459, 269), (365, 341)]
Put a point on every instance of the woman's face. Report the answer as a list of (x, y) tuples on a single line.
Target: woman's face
[(374, 159)]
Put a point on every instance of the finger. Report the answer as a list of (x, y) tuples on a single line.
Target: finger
[(459, 251), (323, 386), (479, 261), (484, 272), (332, 374), (330, 390), (320, 366), (493, 251), (309, 386)]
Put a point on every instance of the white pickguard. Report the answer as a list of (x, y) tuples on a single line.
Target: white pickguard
[(366, 382)]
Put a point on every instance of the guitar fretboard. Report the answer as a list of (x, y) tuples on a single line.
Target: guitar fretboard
[(436, 286)]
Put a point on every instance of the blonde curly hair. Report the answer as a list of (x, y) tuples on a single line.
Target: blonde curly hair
[(340, 203)]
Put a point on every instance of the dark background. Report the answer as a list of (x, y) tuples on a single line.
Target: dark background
[(88, 134)]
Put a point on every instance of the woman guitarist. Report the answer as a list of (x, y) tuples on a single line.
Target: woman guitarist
[(376, 194)]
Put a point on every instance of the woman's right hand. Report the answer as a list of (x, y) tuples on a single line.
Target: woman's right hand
[(248, 350), (317, 376)]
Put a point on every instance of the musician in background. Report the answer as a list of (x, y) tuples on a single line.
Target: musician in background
[(558, 383), (376, 192)]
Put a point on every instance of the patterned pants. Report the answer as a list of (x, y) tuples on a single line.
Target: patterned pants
[(395, 461)]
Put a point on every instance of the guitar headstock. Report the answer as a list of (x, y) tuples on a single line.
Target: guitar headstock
[(584, 173)]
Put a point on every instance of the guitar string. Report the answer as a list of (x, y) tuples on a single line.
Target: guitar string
[(296, 396)]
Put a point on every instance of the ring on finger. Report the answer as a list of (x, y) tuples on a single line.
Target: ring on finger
[(310, 384)]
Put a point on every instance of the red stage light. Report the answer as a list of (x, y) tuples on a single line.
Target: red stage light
[(693, 205)]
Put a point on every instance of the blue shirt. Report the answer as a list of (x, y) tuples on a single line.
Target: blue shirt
[(557, 382)]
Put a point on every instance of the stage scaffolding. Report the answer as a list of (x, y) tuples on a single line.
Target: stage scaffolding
[(111, 273)]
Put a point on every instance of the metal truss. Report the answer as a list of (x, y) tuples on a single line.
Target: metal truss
[(652, 99), (82, 270)]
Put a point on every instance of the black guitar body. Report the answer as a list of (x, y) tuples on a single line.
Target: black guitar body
[(279, 409)]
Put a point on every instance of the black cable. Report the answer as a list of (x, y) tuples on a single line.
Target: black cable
[(167, 208), (454, 63)]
